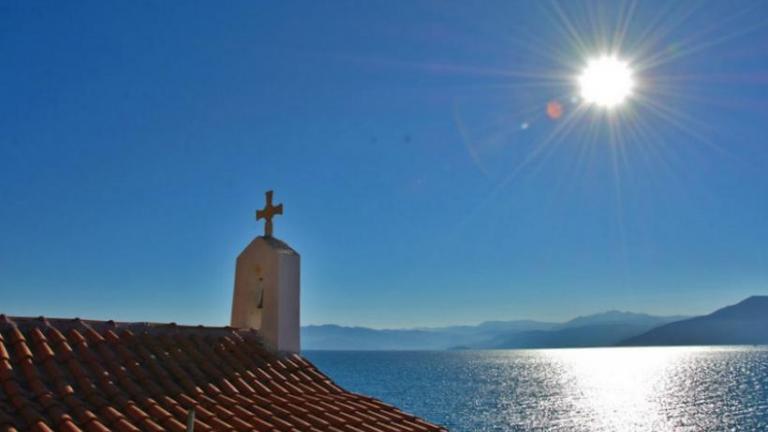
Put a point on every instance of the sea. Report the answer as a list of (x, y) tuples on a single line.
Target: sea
[(592, 389)]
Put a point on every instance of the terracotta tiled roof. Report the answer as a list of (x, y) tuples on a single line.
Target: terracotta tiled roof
[(77, 375)]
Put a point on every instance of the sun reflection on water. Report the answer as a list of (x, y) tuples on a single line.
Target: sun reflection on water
[(618, 389), (675, 389), (645, 389)]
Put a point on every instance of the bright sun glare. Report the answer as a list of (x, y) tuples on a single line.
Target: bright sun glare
[(606, 82)]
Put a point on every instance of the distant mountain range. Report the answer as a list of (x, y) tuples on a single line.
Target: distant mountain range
[(334, 337), (743, 323), (595, 330), (604, 329)]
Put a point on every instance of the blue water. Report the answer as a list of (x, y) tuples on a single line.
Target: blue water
[(596, 389)]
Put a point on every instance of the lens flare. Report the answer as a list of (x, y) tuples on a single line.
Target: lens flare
[(554, 110)]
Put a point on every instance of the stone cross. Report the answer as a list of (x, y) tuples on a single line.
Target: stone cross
[(267, 213)]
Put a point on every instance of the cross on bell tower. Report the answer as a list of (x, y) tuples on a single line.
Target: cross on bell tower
[(268, 286), (267, 213)]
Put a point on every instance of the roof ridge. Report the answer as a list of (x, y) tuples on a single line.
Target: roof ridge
[(134, 326)]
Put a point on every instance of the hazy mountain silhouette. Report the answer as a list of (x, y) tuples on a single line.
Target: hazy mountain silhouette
[(619, 317), (602, 329), (494, 326), (334, 337), (744, 323)]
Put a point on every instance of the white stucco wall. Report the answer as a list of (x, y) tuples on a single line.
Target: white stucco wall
[(271, 265)]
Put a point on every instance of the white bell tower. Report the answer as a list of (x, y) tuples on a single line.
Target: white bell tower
[(267, 287)]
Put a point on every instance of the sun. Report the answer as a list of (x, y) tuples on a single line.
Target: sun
[(606, 82)]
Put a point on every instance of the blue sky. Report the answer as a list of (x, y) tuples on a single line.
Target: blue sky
[(137, 139)]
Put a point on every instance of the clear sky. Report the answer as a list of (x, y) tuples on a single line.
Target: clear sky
[(424, 182)]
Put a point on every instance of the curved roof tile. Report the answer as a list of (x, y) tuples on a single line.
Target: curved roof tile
[(97, 376)]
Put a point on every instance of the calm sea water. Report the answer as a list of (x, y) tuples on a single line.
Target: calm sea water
[(597, 389)]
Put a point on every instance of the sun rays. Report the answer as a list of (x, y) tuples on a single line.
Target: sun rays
[(610, 88), (615, 61)]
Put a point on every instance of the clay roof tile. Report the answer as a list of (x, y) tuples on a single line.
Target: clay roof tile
[(95, 376), (68, 426), (40, 426)]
